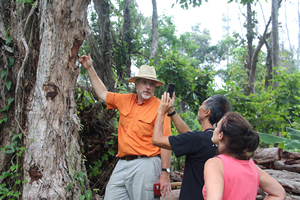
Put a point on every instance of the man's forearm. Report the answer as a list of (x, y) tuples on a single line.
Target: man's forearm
[(97, 84), (158, 139), (165, 158), (178, 122)]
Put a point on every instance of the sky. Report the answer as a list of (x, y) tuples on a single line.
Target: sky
[(210, 15)]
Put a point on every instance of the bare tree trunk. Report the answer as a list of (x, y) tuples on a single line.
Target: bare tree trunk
[(275, 39), (253, 53), (250, 36), (269, 76), (51, 36), (154, 31), (125, 73), (102, 50)]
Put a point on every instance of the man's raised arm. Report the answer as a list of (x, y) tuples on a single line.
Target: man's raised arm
[(97, 84)]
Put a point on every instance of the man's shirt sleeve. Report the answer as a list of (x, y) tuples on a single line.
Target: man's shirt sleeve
[(185, 143)]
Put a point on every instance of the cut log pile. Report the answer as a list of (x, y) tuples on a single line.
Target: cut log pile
[(281, 165)]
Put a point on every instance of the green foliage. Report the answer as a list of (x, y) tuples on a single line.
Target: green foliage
[(11, 61), (80, 178), (185, 3), (4, 119), (10, 100), (190, 118), (244, 2), (238, 73), (8, 38), (192, 85), (290, 142), (26, 1), (12, 180), (270, 111), (84, 99), (3, 73), (8, 84), (196, 45)]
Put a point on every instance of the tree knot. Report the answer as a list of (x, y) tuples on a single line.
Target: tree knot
[(51, 90), (35, 173)]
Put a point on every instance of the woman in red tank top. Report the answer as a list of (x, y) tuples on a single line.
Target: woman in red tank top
[(232, 175)]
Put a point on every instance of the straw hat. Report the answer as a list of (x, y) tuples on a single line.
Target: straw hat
[(146, 72)]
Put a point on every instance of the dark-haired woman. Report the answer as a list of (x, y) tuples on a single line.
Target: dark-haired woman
[(232, 174)]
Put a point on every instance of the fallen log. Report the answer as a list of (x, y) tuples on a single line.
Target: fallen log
[(290, 155), (267, 155), (291, 162), (176, 176), (280, 165)]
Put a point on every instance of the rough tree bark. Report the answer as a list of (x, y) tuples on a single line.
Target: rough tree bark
[(154, 45), (250, 36), (101, 49), (47, 36)]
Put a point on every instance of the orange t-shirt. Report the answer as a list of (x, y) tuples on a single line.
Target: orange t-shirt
[(136, 124)]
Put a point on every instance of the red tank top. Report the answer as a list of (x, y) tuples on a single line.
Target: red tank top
[(241, 179)]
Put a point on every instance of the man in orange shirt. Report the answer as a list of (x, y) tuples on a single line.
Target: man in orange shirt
[(139, 166)]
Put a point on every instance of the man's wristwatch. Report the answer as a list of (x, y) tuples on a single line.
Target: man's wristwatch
[(166, 170)]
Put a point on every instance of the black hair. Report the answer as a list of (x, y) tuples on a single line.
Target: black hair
[(218, 106), (240, 139)]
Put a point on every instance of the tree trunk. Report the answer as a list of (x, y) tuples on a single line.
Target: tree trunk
[(269, 75), (275, 39), (253, 53), (102, 50), (47, 36), (126, 41), (250, 36), (154, 31)]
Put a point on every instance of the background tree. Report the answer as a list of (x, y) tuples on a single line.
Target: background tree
[(154, 45), (42, 123), (275, 38), (101, 44)]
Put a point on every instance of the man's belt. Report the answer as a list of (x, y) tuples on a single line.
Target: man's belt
[(133, 157)]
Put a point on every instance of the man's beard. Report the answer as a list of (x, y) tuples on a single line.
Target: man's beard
[(145, 96)]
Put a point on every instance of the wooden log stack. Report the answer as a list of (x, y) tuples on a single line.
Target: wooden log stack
[(282, 166)]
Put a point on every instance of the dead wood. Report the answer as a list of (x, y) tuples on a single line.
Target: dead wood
[(290, 155), (267, 155), (280, 165), (176, 176)]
